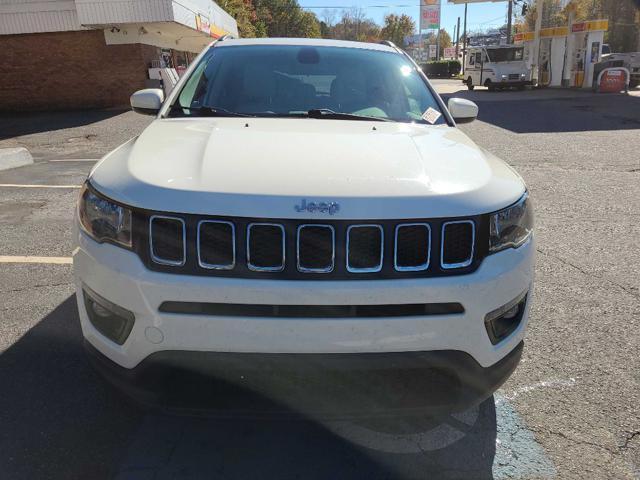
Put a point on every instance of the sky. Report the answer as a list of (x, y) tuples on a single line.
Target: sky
[(479, 15)]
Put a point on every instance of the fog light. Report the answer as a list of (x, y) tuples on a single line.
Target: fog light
[(109, 319), (503, 321)]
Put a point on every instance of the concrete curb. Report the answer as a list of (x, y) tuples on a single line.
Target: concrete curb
[(14, 157)]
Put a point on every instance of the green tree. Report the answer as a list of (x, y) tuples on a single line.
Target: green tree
[(397, 27), (624, 25), (553, 15), (325, 30), (285, 18), (245, 16), (624, 20), (445, 40), (354, 25)]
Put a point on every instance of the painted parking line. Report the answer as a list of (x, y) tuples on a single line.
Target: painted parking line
[(41, 260), (517, 453), (18, 185)]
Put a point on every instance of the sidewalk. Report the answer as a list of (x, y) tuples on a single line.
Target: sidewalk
[(456, 87)]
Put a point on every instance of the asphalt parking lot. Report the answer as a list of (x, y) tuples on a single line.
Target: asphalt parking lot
[(571, 410)]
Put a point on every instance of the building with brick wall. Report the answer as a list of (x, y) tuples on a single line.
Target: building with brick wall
[(69, 54)]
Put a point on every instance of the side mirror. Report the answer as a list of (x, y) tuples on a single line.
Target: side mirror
[(147, 101), (462, 110)]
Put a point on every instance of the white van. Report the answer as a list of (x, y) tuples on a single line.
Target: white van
[(496, 67)]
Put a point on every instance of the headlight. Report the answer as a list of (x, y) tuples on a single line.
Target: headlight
[(504, 77), (104, 220), (511, 227)]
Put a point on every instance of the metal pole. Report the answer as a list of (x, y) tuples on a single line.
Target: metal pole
[(536, 42), (439, 28), (569, 50), (464, 41), (458, 39), (510, 15)]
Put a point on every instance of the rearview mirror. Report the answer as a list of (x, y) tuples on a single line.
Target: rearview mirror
[(147, 101), (462, 110)]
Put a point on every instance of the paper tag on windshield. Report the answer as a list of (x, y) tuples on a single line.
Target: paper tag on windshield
[(431, 115)]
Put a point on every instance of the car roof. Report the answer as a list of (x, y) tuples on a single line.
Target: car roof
[(312, 42)]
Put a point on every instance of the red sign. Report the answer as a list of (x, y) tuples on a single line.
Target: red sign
[(578, 27), (429, 15), (612, 80)]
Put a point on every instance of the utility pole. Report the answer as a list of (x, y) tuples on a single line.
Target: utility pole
[(509, 17), (458, 39), (464, 39), (438, 53)]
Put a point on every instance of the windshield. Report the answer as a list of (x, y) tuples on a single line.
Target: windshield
[(505, 54), (287, 80)]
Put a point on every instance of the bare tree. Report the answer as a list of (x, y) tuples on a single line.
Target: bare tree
[(328, 16)]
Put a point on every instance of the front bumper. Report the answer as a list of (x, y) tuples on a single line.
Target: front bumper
[(308, 385), (512, 83), (120, 277)]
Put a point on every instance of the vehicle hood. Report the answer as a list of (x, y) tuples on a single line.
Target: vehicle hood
[(263, 167)]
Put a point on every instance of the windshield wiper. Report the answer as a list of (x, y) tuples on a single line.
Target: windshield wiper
[(209, 111), (331, 115)]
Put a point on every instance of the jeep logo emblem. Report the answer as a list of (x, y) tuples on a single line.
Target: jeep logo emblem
[(322, 207)]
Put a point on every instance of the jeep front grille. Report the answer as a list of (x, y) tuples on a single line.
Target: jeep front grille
[(291, 249), (167, 240), (412, 249), (457, 244), (265, 247), (216, 245), (365, 251), (316, 248)]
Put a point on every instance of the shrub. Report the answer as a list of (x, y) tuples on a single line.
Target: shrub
[(442, 68), (454, 67)]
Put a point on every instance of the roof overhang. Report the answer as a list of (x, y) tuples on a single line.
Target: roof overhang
[(160, 34)]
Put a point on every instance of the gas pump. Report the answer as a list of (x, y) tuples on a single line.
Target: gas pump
[(587, 40)]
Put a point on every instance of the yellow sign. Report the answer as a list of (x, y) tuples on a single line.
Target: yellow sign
[(554, 32), (524, 37), (590, 26), (203, 25)]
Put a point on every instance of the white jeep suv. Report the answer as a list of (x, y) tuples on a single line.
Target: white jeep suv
[(305, 199)]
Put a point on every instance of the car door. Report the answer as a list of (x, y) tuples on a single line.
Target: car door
[(472, 71)]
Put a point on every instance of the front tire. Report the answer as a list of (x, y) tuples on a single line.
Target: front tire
[(490, 86)]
